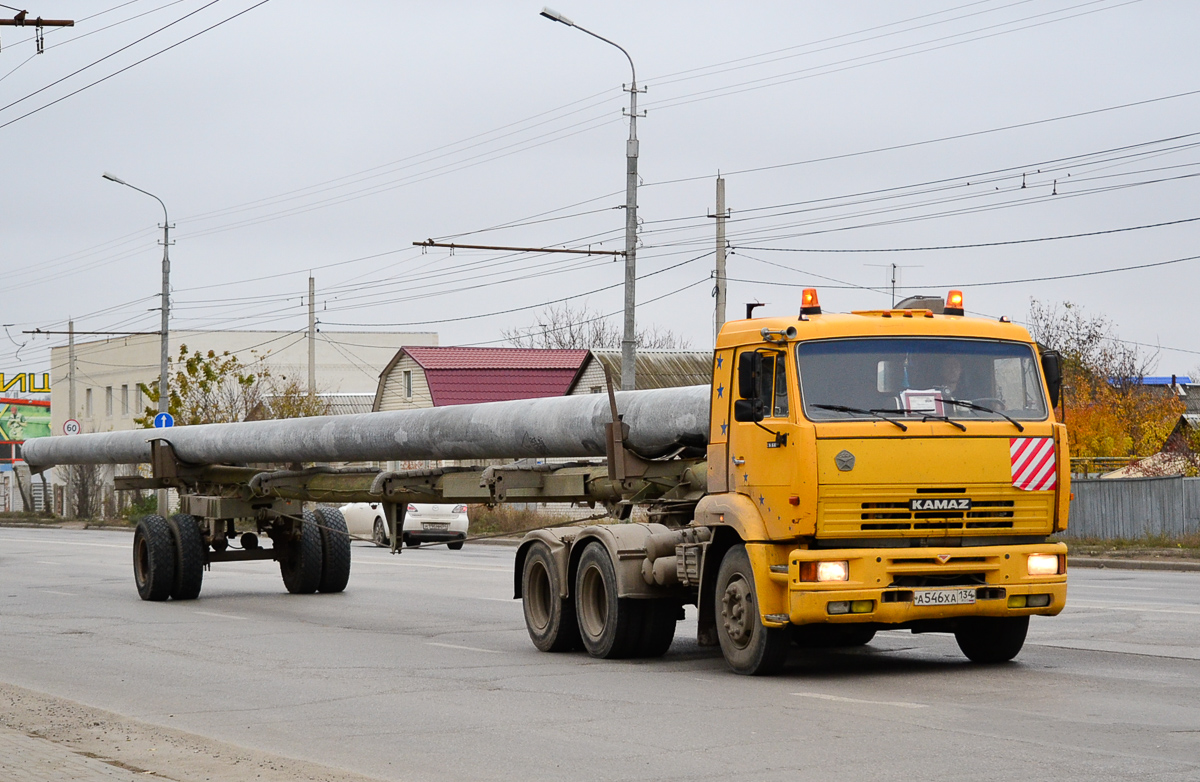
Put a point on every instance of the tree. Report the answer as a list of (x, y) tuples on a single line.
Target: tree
[(209, 388), (561, 326), (1109, 410)]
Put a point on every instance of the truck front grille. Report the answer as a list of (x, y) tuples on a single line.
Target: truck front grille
[(884, 511)]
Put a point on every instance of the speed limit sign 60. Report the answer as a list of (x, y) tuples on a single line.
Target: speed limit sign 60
[(71, 426)]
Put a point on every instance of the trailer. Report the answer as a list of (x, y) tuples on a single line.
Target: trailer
[(843, 474)]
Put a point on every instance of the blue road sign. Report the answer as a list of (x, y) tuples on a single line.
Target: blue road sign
[(163, 421)]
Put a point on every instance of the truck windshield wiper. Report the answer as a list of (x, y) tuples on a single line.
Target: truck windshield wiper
[(861, 411), (973, 406), (926, 415)]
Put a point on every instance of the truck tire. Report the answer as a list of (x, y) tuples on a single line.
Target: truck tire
[(335, 550), (300, 561), (189, 556), (658, 627), (609, 627), (153, 558), (749, 647), (381, 537), (991, 640), (549, 618)]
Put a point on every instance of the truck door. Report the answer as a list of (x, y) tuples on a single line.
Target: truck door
[(760, 453)]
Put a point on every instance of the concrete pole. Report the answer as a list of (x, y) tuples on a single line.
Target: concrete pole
[(72, 410), (164, 359), (312, 337), (720, 215), (629, 340)]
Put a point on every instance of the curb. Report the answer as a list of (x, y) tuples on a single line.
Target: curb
[(1134, 564)]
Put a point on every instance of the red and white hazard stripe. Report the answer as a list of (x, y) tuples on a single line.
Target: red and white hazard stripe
[(1033, 463)]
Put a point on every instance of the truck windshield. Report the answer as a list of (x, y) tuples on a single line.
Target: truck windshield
[(915, 378)]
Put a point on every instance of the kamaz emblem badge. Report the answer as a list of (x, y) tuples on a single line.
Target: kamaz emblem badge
[(844, 461)]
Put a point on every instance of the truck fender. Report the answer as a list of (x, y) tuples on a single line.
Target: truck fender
[(626, 544), (736, 511)]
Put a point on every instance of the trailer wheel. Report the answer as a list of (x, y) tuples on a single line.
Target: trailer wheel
[(992, 639), (153, 558), (749, 647), (610, 627), (549, 618), (381, 537), (300, 561), (189, 556), (335, 550), (658, 627)]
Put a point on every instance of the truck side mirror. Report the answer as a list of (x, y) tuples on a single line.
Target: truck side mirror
[(750, 407), (750, 367), (1052, 369)]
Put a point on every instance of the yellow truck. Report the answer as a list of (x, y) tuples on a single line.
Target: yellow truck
[(880, 470), (843, 474)]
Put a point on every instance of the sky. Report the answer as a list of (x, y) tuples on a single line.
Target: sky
[(986, 145)]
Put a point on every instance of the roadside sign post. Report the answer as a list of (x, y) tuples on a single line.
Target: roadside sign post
[(164, 421), (71, 426)]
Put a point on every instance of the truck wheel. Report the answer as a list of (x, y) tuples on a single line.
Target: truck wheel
[(749, 647), (549, 619), (992, 639), (381, 534), (610, 627), (189, 556), (300, 562), (335, 550), (153, 558), (658, 627)]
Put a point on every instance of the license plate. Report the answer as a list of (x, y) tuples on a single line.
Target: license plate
[(944, 597), (435, 525)]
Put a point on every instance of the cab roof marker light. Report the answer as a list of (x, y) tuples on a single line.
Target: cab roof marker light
[(809, 303), (954, 304)]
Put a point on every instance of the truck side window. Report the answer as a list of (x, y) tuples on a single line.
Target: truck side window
[(774, 385)]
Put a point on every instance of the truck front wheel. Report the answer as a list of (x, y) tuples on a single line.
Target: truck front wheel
[(549, 618), (749, 647), (992, 639)]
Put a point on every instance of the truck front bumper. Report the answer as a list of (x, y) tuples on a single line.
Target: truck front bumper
[(885, 585)]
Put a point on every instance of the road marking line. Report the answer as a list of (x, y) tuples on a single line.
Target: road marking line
[(52, 592), (1106, 586), (219, 616), (437, 567), (42, 562), (465, 648), (840, 699), (61, 542), (499, 599), (1140, 609)]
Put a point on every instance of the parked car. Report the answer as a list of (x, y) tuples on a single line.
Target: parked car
[(423, 523)]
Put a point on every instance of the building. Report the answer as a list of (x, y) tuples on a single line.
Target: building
[(654, 369), (108, 372), (440, 376)]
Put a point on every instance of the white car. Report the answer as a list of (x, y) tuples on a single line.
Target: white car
[(422, 523)]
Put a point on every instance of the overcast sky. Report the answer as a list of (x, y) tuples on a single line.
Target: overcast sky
[(329, 136)]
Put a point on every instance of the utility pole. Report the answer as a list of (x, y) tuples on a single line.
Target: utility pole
[(720, 215), (71, 408), (629, 340), (22, 20), (312, 337)]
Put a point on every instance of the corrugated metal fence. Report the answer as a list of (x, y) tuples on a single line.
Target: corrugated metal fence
[(1129, 508)]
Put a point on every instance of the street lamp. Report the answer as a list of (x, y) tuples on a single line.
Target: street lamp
[(629, 340), (164, 357)]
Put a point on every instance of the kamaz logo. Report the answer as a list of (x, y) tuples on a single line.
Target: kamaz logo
[(940, 504)]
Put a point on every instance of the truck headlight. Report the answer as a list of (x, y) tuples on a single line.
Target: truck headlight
[(833, 570), (1043, 564)]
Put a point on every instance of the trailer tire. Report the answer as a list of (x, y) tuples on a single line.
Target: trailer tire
[(153, 558), (549, 618), (381, 537), (610, 627), (189, 556), (658, 627), (991, 640), (750, 647), (335, 550), (300, 563)]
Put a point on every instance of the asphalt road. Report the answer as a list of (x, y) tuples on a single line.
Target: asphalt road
[(422, 670)]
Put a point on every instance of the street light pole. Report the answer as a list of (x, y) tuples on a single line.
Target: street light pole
[(629, 339), (164, 349)]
